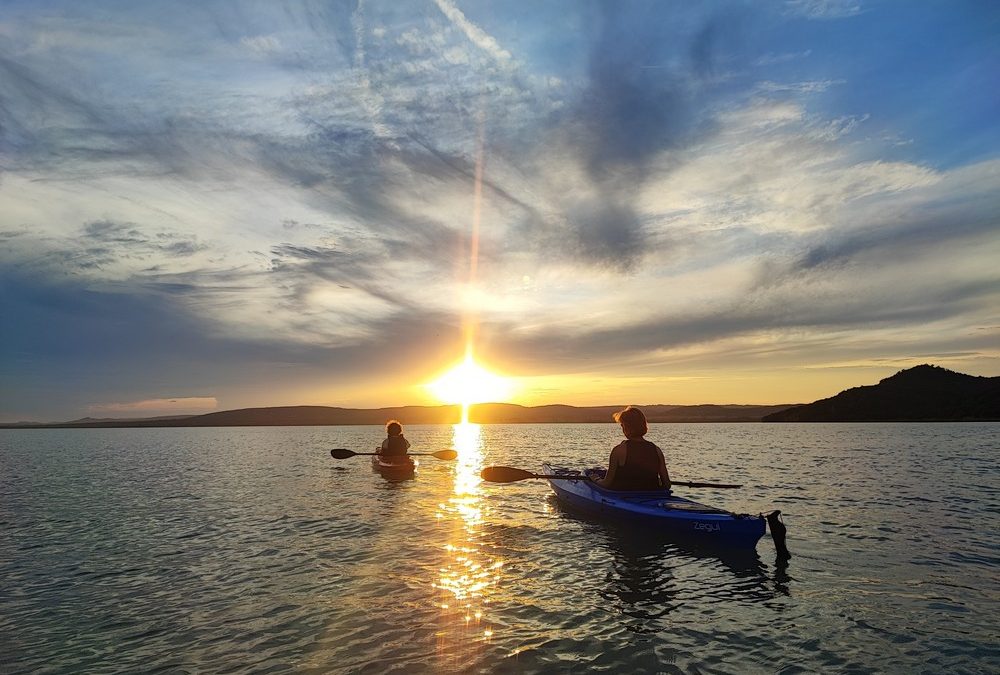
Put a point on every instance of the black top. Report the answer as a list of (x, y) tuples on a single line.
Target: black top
[(641, 470), (395, 446)]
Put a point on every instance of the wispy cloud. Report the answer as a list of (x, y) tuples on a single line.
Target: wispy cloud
[(825, 9), (164, 406), (772, 59), (811, 87), (261, 44), (474, 33)]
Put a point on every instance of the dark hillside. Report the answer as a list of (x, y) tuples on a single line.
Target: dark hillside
[(920, 394)]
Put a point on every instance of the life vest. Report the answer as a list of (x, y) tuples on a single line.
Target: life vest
[(641, 470)]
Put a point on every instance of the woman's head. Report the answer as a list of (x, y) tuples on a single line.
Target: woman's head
[(393, 428), (633, 422)]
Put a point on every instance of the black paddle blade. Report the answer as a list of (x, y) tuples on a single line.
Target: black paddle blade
[(445, 454), (504, 474), (778, 532), (342, 453)]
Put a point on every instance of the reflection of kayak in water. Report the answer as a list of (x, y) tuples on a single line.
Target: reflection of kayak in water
[(394, 467), (659, 510)]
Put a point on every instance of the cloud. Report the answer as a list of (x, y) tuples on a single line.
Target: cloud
[(129, 240), (809, 87), (774, 58), (824, 9), (261, 44), (99, 247), (474, 33), (168, 406), (797, 314), (955, 207), (295, 186)]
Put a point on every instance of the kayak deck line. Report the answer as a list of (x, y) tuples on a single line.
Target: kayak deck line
[(686, 506), (699, 508)]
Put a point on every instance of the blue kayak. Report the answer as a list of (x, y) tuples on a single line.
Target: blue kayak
[(660, 510)]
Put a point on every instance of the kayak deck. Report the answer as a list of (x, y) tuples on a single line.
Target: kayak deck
[(660, 510)]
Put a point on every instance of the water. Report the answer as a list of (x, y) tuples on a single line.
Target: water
[(251, 550)]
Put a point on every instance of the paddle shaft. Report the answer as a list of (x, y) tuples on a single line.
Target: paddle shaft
[(673, 482), (409, 454), (511, 474), (344, 453)]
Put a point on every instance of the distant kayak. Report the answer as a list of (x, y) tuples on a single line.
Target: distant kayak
[(394, 467), (659, 510)]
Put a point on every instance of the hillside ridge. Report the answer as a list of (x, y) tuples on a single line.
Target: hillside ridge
[(924, 393)]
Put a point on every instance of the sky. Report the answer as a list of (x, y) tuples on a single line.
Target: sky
[(214, 205)]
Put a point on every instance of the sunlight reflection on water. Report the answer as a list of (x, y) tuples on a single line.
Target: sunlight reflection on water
[(468, 575)]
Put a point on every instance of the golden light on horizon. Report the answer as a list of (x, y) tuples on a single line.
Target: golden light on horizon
[(468, 382)]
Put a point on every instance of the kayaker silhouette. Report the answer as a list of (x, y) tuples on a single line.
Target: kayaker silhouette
[(395, 444), (635, 463)]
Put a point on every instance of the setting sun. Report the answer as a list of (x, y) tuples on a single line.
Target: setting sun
[(468, 382)]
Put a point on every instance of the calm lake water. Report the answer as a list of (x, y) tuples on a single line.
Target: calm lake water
[(251, 550)]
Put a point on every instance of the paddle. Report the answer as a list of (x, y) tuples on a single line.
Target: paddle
[(509, 474), (344, 453)]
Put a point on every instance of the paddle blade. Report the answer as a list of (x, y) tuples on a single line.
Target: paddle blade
[(342, 453), (504, 474), (445, 454), (778, 533)]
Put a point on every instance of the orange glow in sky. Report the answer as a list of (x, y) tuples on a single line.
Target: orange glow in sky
[(468, 382)]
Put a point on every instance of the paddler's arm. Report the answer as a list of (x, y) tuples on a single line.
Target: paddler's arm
[(613, 461), (664, 474)]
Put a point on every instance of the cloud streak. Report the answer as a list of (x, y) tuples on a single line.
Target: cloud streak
[(190, 405), (474, 33)]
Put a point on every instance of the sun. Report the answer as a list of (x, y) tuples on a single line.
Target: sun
[(468, 382)]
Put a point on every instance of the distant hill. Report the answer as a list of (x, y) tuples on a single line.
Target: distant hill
[(506, 413), (98, 420), (486, 413), (303, 415), (921, 394)]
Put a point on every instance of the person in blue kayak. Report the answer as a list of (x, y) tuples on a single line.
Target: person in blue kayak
[(635, 463), (395, 444)]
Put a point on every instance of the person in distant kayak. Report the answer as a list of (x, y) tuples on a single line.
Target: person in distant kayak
[(395, 444), (635, 463)]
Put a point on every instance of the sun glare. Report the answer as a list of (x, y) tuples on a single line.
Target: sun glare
[(468, 382)]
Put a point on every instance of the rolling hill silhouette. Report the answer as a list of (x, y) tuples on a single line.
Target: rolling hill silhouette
[(921, 394), (484, 413)]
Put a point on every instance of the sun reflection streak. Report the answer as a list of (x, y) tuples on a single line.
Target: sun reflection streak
[(469, 575)]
